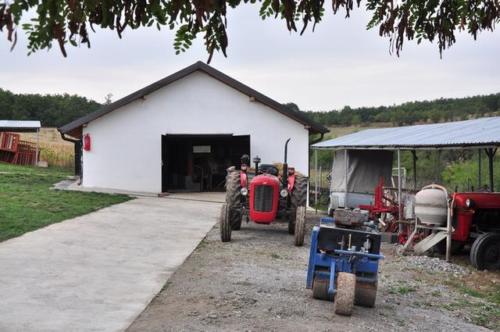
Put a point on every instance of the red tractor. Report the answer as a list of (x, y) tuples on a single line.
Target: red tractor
[(476, 221), (472, 217), (264, 196)]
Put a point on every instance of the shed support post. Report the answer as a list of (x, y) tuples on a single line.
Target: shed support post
[(479, 169), (490, 152), (37, 146), (316, 180), (437, 166), (414, 154), (320, 178), (346, 164), (400, 198)]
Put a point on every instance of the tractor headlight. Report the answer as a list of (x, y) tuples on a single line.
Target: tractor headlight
[(469, 203), (244, 191), (284, 193)]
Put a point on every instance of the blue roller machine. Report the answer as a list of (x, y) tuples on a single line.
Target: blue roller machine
[(343, 265)]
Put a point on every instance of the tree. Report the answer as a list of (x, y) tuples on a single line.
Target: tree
[(51, 110), (108, 99), (292, 106), (68, 21)]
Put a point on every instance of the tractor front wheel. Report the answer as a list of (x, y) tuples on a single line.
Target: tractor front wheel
[(300, 226), (233, 199), (225, 225), (485, 252), (344, 299)]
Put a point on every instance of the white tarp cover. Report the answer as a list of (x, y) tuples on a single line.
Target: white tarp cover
[(364, 170)]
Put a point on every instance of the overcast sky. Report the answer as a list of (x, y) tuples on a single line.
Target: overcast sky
[(340, 64)]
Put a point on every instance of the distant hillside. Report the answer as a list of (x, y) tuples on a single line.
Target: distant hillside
[(51, 110), (57, 110), (449, 109)]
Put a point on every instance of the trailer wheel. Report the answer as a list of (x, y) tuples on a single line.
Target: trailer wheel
[(233, 199), (297, 198), (365, 294), (300, 226), (225, 227), (320, 289), (485, 252), (344, 299)]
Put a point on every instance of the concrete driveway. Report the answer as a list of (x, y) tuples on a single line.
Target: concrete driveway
[(99, 271)]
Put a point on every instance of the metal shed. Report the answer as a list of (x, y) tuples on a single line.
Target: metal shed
[(20, 126), (483, 133)]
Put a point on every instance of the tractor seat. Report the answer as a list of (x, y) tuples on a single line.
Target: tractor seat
[(268, 169)]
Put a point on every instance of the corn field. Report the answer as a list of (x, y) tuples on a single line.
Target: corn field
[(53, 149)]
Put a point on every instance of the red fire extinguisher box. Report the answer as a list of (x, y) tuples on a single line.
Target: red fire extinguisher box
[(86, 142)]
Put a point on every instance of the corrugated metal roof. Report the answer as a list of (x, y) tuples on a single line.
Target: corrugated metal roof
[(469, 133), (15, 125)]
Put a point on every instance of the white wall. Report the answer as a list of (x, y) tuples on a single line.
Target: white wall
[(126, 143)]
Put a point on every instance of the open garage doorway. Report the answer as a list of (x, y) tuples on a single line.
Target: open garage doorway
[(199, 162)]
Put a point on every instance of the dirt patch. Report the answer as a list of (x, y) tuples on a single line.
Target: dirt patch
[(257, 283)]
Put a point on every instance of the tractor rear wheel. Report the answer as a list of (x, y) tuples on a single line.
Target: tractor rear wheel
[(233, 199), (225, 227), (300, 226), (344, 299), (297, 198), (320, 289), (365, 294), (485, 252)]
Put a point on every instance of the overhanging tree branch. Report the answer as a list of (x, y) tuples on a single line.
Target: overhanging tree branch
[(67, 21)]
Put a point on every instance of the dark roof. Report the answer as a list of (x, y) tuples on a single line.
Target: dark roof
[(297, 116)]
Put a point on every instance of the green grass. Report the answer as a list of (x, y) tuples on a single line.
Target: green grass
[(402, 289), (27, 202), (490, 294), (485, 313)]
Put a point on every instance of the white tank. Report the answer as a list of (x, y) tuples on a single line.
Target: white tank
[(431, 205)]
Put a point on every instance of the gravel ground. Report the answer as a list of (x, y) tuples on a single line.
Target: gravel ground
[(257, 283)]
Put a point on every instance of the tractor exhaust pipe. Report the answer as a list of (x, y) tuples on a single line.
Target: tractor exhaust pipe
[(285, 166), (256, 161)]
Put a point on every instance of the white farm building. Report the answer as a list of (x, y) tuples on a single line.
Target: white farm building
[(182, 132)]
